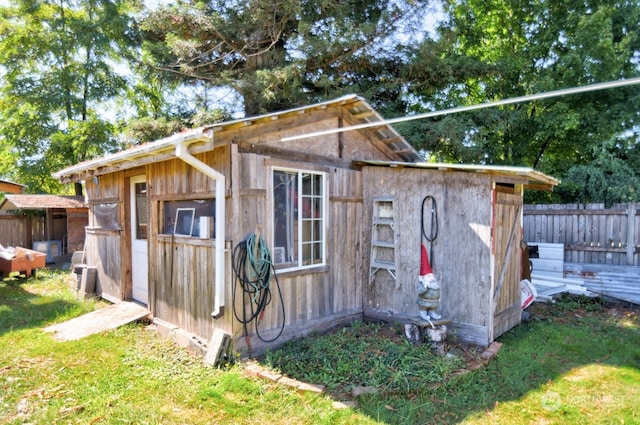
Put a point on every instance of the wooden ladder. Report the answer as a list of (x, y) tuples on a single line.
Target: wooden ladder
[(383, 238)]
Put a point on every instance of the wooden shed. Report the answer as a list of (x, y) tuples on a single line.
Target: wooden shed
[(153, 208), (58, 230)]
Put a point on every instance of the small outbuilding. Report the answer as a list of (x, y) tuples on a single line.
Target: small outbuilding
[(11, 187), (52, 224), (166, 219)]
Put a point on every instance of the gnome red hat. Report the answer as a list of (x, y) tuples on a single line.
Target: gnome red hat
[(425, 267)]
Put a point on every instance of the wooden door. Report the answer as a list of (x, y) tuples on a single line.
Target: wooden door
[(507, 230), (139, 240)]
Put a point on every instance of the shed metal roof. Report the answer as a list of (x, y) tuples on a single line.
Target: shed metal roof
[(531, 178), (359, 111), (39, 202)]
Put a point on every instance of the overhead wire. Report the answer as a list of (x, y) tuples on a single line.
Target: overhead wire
[(545, 95)]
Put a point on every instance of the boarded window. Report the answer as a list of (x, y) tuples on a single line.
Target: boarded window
[(106, 216)]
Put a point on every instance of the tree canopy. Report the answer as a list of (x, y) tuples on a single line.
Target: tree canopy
[(193, 62), (516, 48), (58, 67), (281, 54)]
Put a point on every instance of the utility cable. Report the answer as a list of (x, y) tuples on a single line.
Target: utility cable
[(545, 95), (433, 227)]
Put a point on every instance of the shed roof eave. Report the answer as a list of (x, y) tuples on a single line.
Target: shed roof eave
[(77, 172), (356, 107), (13, 202), (530, 178)]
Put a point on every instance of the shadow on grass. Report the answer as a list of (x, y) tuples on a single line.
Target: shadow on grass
[(21, 309), (534, 354)]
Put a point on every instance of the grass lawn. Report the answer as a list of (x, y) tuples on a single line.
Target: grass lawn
[(577, 361)]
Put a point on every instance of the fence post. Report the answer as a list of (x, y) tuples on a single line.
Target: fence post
[(631, 231)]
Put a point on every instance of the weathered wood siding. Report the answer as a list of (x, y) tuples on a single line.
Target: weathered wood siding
[(19, 230), (77, 220), (590, 233), (314, 299), (182, 269), (507, 234), (103, 251), (462, 252), (105, 248), (345, 243), (184, 284)]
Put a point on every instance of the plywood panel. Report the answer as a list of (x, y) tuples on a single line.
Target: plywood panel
[(103, 252), (507, 255), (461, 252)]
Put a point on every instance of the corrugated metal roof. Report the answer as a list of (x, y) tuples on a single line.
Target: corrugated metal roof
[(530, 178), (39, 202), (359, 112)]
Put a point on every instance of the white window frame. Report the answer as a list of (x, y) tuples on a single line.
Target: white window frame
[(276, 250)]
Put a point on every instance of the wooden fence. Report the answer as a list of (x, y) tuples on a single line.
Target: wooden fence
[(590, 233), (16, 230)]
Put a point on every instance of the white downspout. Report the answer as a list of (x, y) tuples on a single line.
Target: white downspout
[(183, 154)]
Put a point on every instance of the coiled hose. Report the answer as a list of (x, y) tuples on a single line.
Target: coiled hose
[(253, 269)]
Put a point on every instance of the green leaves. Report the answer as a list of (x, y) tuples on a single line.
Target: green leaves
[(513, 48), (59, 60)]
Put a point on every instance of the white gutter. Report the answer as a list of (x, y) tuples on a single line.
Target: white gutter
[(161, 145), (183, 154)]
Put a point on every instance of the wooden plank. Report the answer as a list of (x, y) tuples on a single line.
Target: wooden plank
[(107, 318), (507, 257), (631, 234)]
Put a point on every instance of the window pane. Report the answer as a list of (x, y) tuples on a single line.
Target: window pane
[(285, 199), (141, 210), (185, 223), (317, 253), (298, 218)]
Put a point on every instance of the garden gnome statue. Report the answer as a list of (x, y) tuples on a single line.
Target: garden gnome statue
[(428, 290)]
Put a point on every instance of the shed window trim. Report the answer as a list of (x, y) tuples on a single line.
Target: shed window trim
[(299, 218)]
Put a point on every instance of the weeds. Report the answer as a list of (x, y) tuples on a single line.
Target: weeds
[(363, 354), (569, 302)]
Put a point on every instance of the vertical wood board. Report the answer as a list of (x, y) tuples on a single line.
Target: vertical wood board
[(461, 252)]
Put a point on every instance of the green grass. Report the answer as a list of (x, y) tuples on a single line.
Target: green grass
[(127, 376), (577, 361)]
